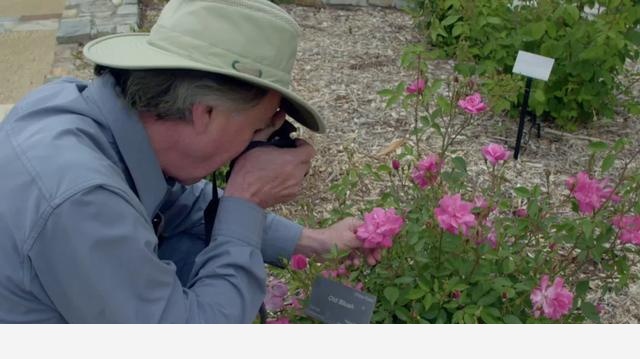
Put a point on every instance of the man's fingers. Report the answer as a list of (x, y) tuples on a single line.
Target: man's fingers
[(353, 223), (305, 148)]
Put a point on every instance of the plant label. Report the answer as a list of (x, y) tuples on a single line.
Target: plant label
[(334, 303), (532, 65)]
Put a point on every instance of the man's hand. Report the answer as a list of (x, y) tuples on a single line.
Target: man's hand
[(269, 175), (317, 242)]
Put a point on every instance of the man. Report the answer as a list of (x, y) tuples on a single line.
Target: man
[(94, 173)]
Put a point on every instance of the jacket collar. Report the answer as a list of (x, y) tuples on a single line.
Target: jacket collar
[(132, 141)]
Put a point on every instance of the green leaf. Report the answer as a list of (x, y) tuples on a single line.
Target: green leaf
[(386, 92), (587, 228), (427, 301), (494, 20), (403, 314), (535, 30), (458, 29), (607, 163), (465, 69), (488, 317), (450, 20), (384, 168), (633, 36), (582, 287), (508, 266), (589, 310), (512, 319), (571, 14), (539, 96), (391, 293), (460, 164), (415, 293), (437, 128), (619, 144), (458, 317), (488, 299), (598, 146), (404, 280), (522, 192)]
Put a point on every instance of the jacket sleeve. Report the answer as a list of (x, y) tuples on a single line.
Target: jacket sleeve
[(184, 210), (96, 259)]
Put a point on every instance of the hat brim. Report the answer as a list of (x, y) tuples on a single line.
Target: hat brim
[(132, 52)]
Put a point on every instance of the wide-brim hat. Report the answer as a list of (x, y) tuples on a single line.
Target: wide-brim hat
[(251, 40)]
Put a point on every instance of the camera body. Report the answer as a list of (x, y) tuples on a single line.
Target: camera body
[(279, 138)]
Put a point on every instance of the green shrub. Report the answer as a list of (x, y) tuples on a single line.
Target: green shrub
[(484, 36), (474, 247)]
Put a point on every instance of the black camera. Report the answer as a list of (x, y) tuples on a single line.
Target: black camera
[(279, 138)]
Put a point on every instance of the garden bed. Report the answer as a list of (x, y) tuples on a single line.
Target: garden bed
[(347, 55)]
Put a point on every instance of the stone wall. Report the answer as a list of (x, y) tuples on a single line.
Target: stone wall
[(398, 4), (83, 20)]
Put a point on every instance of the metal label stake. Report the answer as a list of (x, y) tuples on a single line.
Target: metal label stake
[(533, 67)]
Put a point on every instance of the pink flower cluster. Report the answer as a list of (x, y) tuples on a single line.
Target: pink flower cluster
[(553, 301), (343, 272), (299, 262), (277, 291), (427, 171), (591, 194), (379, 228), (335, 273), (495, 153), (628, 229), (416, 86), (454, 215), (472, 104)]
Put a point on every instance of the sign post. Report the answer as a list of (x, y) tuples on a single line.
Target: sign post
[(533, 67)]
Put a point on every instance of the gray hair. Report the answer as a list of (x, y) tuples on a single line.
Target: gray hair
[(170, 94)]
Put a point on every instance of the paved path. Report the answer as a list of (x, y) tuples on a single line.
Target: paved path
[(27, 44), (40, 40)]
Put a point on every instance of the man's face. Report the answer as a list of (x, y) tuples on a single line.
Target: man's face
[(219, 135)]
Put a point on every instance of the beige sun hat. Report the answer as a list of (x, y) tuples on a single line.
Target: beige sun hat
[(252, 40)]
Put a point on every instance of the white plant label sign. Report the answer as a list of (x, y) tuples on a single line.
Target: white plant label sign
[(532, 65)]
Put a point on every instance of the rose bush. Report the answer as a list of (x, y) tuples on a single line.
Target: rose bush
[(441, 246)]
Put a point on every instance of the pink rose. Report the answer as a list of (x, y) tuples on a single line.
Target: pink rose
[(427, 171), (521, 212), (454, 215), (299, 262), (395, 164), (379, 228), (281, 320), (590, 194), (342, 271), (480, 202), (277, 290), (492, 239), (415, 87), (552, 301), (628, 229), (473, 104), (495, 153)]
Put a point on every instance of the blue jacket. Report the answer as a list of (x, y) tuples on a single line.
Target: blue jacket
[(79, 185)]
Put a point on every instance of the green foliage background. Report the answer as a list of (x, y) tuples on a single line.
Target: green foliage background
[(589, 78)]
